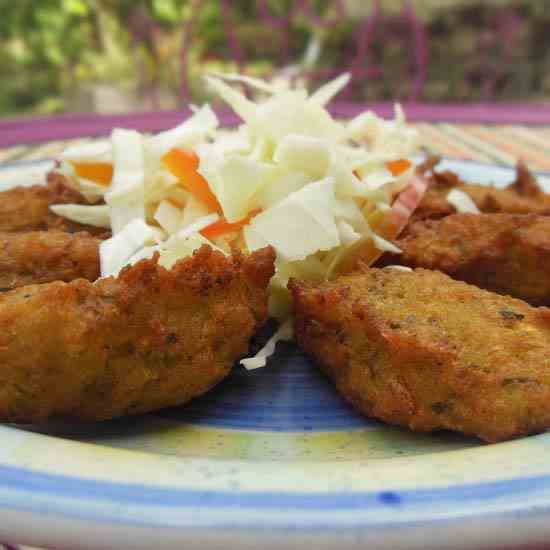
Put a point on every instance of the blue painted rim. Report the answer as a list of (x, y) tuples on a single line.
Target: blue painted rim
[(56, 485), (87, 494)]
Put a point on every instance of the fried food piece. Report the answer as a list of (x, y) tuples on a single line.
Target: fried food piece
[(505, 253), (28, 208), (422, 350), (525, 183), (44, 256), (524, 196), (148, 339)]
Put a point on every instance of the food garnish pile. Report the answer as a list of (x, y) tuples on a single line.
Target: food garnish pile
[(152, 261), (291, 176)]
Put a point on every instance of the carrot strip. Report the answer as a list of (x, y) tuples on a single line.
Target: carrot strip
[(184, 165), (221, 227), (397, 167), (98, 172)]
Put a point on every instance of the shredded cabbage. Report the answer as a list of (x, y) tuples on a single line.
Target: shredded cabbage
[(194, 209), (96, 151), (385, 245), (347, 234), (239, 179), (168, 216), (301, 224), (245, 108), (173, 249), (279, 184), (284, 333), (327, 92), (126, 195), (180, 246), (115, 252), (462, 202), (398, 267), (249, 80), (187, 135), (97, 215), (303, 154), (197, 225)]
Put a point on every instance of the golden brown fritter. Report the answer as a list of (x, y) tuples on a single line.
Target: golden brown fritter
[(505, 253), (422, 350), (44, 256), (148, 339), (28, 208), (524, 196), (525, 183)]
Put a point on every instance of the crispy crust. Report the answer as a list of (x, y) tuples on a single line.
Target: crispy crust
[(524, 196), (525, 183), (419, 349), (44, 256), (28, 208), (148, 339), (505, 253)]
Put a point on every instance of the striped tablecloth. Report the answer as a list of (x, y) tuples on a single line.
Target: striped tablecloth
[(493, 144)]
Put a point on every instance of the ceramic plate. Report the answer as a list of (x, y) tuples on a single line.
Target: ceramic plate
[(271, 459)]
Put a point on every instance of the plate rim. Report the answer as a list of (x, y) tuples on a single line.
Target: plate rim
[(18, 484)]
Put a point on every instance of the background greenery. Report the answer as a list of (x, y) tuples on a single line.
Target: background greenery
[(109, 55)]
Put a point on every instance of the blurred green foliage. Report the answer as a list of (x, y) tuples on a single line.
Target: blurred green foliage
[(53, 50)]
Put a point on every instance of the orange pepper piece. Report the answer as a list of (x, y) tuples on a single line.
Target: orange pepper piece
[(397, 167), (98, 172), (184, 165), (221, 227)]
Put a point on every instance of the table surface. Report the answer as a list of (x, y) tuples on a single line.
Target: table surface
[(492, 137)]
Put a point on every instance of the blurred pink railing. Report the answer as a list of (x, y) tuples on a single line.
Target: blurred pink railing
[(361, 61), (496, 45)]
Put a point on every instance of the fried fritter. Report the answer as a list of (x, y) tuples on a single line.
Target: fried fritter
[(148, 339), (28, 208), (524, 196), (422, 350), (525, 183), (44, 256), (505, 253)]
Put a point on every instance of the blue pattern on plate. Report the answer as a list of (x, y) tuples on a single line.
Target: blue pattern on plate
[(63, 486), (289, 395)]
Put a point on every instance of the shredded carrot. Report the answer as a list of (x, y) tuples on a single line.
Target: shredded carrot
[(181, 162), (98, 172), (221, 227), (397, 167), (184, 165)]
